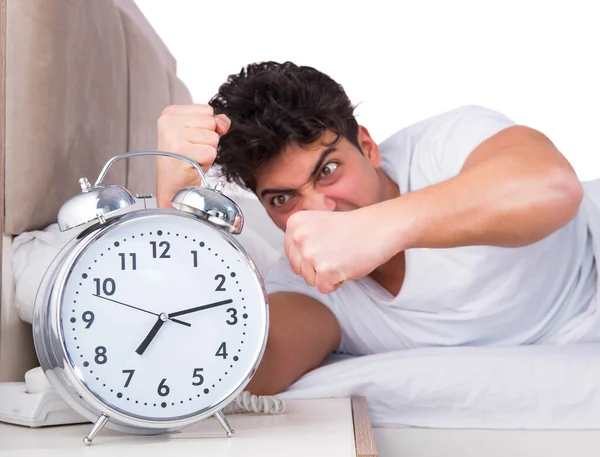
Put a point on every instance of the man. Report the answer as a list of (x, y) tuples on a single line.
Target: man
[(464, 229)]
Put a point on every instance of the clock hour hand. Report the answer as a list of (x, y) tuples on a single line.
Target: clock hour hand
[(200, 308), (162, 318), (177, 321)]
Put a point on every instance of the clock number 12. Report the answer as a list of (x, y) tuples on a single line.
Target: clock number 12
[(163, 244)]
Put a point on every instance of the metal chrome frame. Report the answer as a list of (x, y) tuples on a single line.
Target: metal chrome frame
[(51, 350)]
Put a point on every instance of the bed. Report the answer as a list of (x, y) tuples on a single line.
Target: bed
[(86, 82), (83, 82)]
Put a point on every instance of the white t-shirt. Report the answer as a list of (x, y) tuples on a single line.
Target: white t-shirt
[(475, 295)]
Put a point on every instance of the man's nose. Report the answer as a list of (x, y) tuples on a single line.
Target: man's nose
[(318, 202)]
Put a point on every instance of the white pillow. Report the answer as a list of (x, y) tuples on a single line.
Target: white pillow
[(32, 253), (525, 387)]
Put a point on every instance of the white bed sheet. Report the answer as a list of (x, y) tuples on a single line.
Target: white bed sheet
[(541, 387)]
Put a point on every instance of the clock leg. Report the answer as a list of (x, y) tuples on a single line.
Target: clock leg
[(102, 420), (223, 421)]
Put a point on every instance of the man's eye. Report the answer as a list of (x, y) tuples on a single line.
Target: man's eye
[(328, 169), (280, 200)]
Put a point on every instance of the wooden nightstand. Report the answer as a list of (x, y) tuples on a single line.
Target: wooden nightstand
[(308, 428)]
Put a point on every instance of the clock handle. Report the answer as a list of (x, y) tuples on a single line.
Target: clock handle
[(152, 153)]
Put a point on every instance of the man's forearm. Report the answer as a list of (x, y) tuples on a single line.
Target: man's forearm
[(507, 200)]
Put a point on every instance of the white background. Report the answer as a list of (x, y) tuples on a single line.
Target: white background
[(536, 61)]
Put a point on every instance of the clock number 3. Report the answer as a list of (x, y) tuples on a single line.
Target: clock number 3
[(234, 318)]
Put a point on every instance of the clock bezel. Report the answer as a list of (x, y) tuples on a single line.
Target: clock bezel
[(51, 348)]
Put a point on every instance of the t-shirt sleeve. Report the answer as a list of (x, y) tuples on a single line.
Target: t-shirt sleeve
[(448, 140), (281, 278)]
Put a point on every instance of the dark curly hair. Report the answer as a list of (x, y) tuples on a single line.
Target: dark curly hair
[(271, 104)]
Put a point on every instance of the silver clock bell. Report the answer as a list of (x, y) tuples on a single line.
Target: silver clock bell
[(100, 202)]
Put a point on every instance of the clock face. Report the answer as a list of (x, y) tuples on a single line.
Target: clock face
[(162, 317)]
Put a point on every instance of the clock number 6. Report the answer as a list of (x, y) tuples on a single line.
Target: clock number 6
[(163, 390)]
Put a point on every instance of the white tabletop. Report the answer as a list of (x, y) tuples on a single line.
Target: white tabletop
[(307, 428)]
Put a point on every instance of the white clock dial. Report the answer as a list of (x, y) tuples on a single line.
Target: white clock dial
[(162, 317)]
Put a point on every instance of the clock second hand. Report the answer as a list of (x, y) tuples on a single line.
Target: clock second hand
[(177, 321)]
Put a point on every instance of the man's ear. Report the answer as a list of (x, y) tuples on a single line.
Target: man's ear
[(368, 146)]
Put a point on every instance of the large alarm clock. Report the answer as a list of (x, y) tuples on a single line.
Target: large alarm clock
[(150, 319)]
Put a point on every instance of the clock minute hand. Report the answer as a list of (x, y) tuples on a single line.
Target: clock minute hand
[(200, 308)]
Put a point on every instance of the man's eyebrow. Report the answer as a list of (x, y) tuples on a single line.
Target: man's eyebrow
[(275, 191), (313, 173)]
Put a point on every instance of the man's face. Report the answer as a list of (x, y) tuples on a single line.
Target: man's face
[(321, 177)]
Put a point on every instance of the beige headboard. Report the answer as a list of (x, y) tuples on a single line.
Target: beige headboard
[(82, 81)]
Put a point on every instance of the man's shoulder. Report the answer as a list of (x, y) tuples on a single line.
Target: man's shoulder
[(449, 119), (435, 149)]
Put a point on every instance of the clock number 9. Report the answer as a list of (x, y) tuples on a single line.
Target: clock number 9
[(88, 318), (163, 390)]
